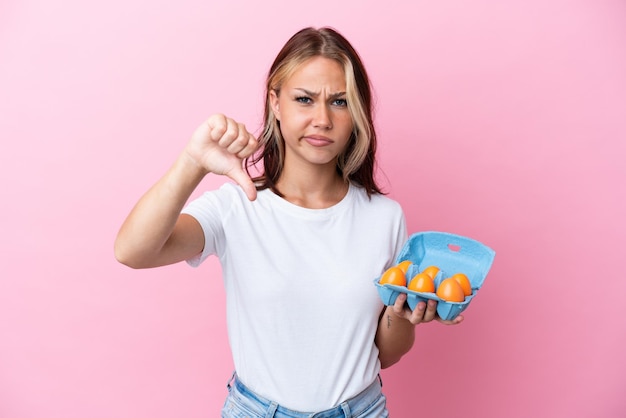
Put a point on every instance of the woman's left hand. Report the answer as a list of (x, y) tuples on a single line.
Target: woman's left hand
[(424, 312)]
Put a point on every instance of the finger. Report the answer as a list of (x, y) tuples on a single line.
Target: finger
[(239, 143), (398, 306), (431, 311), (230, 134), (417, 316), (244, 181), (218, 124), (454, 321), (250, 148)]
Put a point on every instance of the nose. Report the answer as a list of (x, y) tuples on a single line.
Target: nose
[(322, 117)]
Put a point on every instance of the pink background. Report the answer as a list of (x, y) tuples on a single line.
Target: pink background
[(502, 121)]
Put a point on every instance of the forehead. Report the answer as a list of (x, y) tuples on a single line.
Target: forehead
[(318, 71)]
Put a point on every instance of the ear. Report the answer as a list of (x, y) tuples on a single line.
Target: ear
[(274, 104)]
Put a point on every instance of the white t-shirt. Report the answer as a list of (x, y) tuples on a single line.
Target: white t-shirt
[(302, 308)]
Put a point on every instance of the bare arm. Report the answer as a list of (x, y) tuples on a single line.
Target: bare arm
[(155, 233), (396, 328)]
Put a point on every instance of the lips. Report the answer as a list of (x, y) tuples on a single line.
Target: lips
[(317, 140)]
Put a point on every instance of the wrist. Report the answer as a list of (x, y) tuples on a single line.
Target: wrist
[(191, 166), (399, 319)]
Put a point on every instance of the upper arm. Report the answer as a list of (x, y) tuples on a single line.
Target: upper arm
[(185, 241)]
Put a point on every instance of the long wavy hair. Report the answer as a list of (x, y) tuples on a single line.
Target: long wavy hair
[(357, 162)]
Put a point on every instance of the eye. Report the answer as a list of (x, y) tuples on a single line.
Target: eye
[(340, 102), (303, 99)]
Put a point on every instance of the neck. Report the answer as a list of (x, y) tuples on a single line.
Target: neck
[(314, 189)]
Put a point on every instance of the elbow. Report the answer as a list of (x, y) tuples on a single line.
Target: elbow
[(388, 361), (122, 258), (392, 352), (126, 258)]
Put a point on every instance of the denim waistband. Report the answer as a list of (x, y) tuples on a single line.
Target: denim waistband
[(352, 406)]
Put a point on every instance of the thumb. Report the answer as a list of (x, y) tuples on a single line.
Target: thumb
[(244, 181)]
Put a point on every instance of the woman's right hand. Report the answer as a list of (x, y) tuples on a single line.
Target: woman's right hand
[(219, 146), (155, 233)]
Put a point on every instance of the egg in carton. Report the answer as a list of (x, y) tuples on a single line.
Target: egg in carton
[(452, 254)]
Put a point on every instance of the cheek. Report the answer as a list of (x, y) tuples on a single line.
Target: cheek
[(345, 123), (289, 125), (293, 119)]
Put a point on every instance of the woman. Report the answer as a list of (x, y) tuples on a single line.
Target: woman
[(299, 245)]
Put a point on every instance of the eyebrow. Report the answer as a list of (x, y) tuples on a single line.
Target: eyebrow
[(313, 94)]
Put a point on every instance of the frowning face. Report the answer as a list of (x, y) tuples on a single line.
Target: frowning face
[(313, 112)]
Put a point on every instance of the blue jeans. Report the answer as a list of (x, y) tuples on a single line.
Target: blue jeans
[(243, 403)]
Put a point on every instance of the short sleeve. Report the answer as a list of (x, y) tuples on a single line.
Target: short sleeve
[(210, 210), (402, 234)]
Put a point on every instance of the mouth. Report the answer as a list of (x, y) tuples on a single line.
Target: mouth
[(317, 140)]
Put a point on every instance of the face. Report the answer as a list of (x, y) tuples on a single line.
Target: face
[(312, 109)]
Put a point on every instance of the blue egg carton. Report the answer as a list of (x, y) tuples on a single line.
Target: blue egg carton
[(452, 254)]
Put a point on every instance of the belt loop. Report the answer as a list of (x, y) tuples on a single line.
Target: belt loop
[(272, 410), (380, 379), (346, 409), (230, 380)]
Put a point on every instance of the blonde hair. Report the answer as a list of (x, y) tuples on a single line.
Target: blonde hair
[(357, 162)]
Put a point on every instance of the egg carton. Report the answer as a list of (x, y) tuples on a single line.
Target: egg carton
[(452, 254)]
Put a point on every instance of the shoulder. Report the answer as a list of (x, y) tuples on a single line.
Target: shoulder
[(376, 201), (227, 193), (219, 201)]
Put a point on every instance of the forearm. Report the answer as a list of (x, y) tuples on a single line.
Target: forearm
[(394, 338), (150, 224)]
